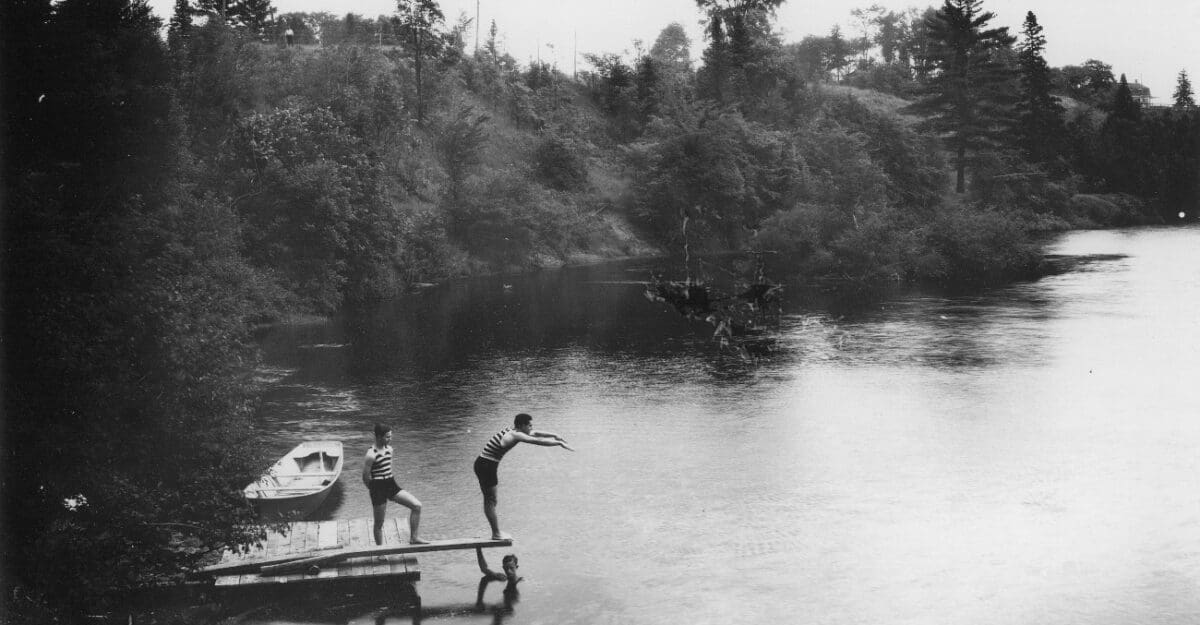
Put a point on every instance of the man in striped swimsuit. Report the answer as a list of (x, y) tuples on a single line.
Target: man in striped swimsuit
[(377, 476), (489, 461)]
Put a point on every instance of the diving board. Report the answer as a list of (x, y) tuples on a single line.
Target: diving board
[(330, 550)]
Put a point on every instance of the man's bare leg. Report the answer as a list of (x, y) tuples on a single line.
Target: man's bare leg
[(406, 499), (380, 511), (489, 511)]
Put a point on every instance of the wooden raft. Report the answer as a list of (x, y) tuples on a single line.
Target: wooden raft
[(344, 550), (304, 539)]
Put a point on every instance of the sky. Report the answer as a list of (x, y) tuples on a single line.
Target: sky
[(1149, 41)]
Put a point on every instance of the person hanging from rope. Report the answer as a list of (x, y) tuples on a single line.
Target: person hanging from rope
[(488, 462)]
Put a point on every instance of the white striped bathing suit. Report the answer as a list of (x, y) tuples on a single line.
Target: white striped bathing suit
[(493, 450), (381, 469)]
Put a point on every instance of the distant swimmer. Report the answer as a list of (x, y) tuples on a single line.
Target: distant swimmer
[(489, 461), (381, 484)]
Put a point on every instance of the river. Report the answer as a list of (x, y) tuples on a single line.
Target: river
[(1026, 454)]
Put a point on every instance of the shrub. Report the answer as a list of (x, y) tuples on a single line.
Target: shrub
[(979, 246), (559, 166)]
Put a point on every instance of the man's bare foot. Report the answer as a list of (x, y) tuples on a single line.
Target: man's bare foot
[(501, 536), (417, 541)]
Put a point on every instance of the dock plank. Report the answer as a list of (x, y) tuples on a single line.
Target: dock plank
[(359, 539), (327, 535), (341, 548), (310, 538), (354, 552)]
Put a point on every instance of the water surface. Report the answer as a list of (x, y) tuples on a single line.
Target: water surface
[(1019, 455)]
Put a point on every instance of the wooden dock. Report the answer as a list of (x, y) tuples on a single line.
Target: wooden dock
[(339, 550)]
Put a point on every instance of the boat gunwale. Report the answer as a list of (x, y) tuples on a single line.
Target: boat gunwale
[(304, 492)]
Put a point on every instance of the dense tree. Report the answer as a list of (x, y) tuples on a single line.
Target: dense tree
[(461, 136), (665, 78), (614, 90), (721, 173), (312, 201), (1124, 106), (127, 311), (1092, 82), (179, 29), (890, 36), (1183, 97), (742, 48), (966, 98), (254, 15), (420, 19), (672, 49), (1039, 124), (837, 54), (917, 50)]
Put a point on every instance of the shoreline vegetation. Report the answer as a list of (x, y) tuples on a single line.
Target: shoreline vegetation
[(166, 195)]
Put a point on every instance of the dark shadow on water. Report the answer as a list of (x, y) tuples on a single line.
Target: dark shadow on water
[(332, 602), (1057, 264)]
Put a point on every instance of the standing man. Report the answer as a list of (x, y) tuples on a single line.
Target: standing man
[(489, 461), (377, 476), (289, 35)]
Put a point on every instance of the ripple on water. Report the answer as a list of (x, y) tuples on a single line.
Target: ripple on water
[(313, 399)]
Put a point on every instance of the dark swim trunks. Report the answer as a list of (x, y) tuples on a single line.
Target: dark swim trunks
[(382, 490), (485, 470)]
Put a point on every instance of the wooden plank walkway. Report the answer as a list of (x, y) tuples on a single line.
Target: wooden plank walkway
[(316, 551), (305, 539)]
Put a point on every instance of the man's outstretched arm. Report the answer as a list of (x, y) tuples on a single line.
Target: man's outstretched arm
[(542, 438)]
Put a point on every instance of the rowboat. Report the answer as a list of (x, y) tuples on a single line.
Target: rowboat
[(296, 485)]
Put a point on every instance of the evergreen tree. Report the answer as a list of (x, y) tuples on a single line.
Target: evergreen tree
[(491, 47), (254, 15), (965, 98), (420, 19), (735, 29), (1124, 106), (1039, 125), (179, 29), (714, 67), (1184, 98), (1123, 150)]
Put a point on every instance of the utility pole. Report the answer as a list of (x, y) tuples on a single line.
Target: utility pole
[(574, 55), (476, 27)]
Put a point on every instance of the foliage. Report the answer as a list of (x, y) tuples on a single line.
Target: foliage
[(559, 166), (672, 49), (965, 98), (1039, 123), (127, 322), (909, 160), (1183, 98), (419, 21), (742, 64), (1093, 82), (978, 246), (720, 172), (460, 137), (253, 15), (312, 202)]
